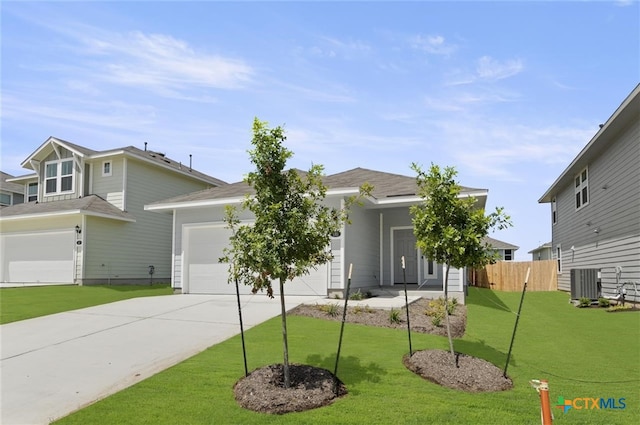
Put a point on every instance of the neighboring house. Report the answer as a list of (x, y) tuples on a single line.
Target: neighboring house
[(10, 193), (543, 252), (506, 250), (595, 206), (85, 222), (380, 233)]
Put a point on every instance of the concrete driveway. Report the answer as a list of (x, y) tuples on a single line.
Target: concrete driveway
[(54, 365)]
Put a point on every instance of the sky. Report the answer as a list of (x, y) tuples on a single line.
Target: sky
[(507, 93)]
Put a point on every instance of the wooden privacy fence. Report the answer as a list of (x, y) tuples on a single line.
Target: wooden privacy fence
[(510, 275)]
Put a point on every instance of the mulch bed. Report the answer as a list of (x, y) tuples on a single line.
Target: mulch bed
[(311, 387)]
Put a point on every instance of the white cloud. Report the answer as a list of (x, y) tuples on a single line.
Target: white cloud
[(491, 69), (163, 62), (433, 44)]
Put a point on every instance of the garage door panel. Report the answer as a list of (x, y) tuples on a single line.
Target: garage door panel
[(38, 257), (204, 245)]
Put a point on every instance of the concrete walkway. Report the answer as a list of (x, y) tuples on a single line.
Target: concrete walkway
[(54, 365)]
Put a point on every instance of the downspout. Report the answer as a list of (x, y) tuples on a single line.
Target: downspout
[(124, 184), (381, 249)]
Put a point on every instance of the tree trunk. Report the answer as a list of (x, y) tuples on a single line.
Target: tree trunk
[(283, 314), (446, 313)]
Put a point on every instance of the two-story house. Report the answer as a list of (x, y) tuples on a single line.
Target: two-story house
[(10, 193), (595, 207), (83, 219), (543, 252)]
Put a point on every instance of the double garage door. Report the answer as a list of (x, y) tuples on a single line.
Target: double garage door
[(203, 274), (37, 257)]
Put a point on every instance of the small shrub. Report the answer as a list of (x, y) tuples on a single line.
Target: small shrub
[(356, 295), (358, 309), (394, 316), (619, 307), (331, 309), (584, 302), (336, 296), (368, 309), (603, 302)]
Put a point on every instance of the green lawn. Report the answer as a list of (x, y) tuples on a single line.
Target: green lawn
[(28, 302), (582, 352)]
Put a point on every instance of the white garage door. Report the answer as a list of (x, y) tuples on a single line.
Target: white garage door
[(38, 257), (203, 274)]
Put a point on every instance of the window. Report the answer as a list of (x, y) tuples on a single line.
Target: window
[(508, 254), (32, 192), (554, 210), (582, 189), (58, 176), (106, 169), (5, 199), (430, 269), (559, 258)]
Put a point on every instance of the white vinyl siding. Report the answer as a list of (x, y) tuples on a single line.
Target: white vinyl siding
[(122, 252), (110, 187)]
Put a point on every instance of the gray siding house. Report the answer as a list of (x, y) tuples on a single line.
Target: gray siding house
[(595, 204), (10, 193), (380, 233), (543, 252), (505, 250), (85, 222)]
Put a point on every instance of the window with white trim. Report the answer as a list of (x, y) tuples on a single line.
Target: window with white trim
[(32, 192), (58, 177), (554, 210), (106, 169), (582, 189), (508, 254)]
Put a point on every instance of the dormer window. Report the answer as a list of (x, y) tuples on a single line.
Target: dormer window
[(58, 177)]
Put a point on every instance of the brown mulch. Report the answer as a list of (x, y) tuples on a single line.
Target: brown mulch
[(471, 373), (311, 387), (263, 390), (419, 321)]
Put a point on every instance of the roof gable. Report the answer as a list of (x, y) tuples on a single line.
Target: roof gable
[(627, 112)]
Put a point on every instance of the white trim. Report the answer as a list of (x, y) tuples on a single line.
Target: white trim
[(64, 213), (343, 250), (194, 204), (125, 166), (381, 249), (174, 219)]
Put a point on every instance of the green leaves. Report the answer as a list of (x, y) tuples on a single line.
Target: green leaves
[(292, 227), (449, 228)]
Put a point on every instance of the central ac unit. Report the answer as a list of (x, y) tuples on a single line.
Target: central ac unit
[(585, 284)]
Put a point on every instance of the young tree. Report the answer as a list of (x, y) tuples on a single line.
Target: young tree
[(449, 228), (292, 228)]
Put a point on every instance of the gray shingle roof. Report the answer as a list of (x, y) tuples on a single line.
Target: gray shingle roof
[(386, 185), (90, 205), (496, 244), (9, 186)]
